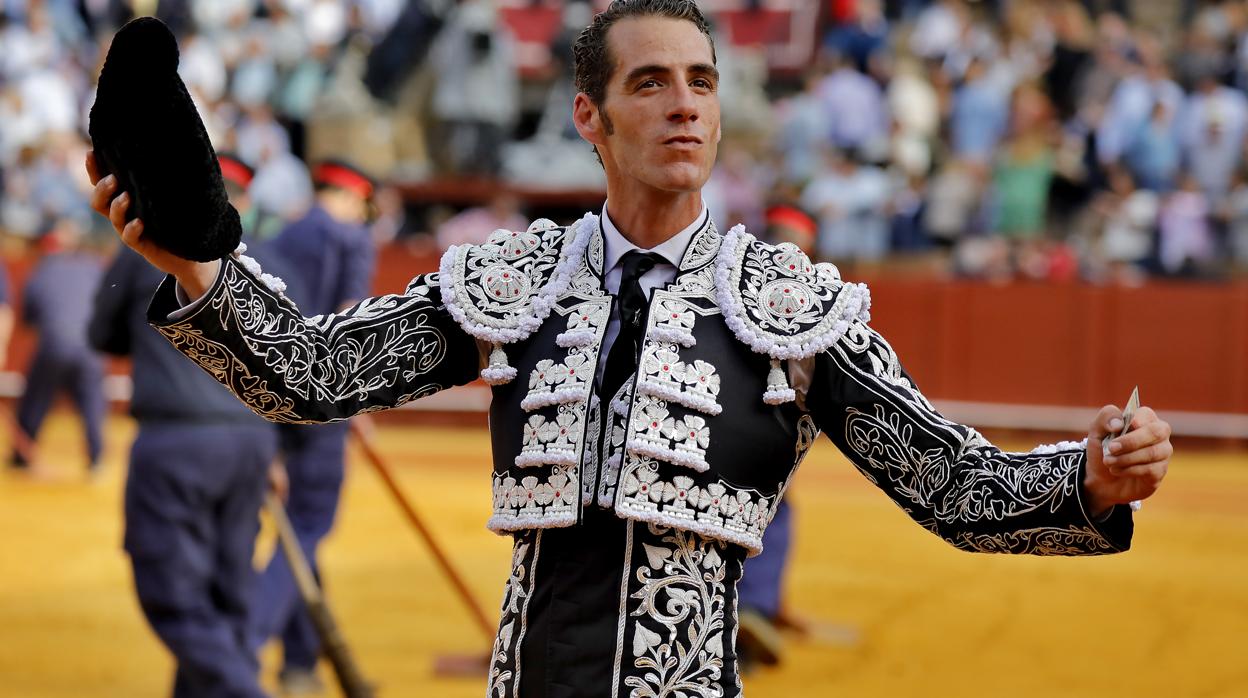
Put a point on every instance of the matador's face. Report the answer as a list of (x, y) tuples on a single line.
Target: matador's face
[(658, 127)]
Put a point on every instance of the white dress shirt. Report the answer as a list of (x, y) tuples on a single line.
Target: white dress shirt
[(615, 246)]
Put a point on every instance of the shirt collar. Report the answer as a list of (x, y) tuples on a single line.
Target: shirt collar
[(673, 249)]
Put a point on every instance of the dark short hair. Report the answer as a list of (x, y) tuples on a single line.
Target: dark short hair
[(592, 61)]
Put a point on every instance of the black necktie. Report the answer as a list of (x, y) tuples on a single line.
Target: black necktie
[(631, 305)]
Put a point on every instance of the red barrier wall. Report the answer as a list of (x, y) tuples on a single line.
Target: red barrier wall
[(1186, 345)]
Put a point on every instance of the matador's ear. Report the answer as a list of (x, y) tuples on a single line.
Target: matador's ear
[(145, 130)]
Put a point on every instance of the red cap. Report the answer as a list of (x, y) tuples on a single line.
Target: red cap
[(234, 170), (790, 217), (336, 174)]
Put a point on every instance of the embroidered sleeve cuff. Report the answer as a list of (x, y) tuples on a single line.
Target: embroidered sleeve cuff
[(171, 305), (1116, 526)]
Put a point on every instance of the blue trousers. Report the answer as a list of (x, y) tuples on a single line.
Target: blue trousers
[(192, 503), (763, 578), (314, 457), (80, 373)]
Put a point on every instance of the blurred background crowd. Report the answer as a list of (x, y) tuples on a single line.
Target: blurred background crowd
[(1094, 140)]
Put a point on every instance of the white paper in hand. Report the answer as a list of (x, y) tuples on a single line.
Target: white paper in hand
[(1128, 414)]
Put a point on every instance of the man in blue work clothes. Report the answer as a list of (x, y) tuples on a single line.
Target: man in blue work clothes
[(197, 479), (56, 303), (333, 258)]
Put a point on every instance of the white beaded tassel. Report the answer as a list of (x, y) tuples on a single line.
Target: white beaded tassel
[(499, 371), (778, 390)]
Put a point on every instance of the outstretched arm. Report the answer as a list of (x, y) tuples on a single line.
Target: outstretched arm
[(379, 353), (1054, 500)]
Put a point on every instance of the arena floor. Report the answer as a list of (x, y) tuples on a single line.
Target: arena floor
[(903, 614)]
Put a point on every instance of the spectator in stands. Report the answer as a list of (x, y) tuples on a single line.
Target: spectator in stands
[(473, 225), (855, 106), (953, 201), (849, 201), (1128, 223), (804, 131), (980, 116), (735, 191), (1024, 170), (1132, 104), (915, 105), (1072, 57), (1212, 131), (1236, 216), (476, 98), (1153, 155), (281, 189), (19, 211), (1185, 243), (938, 29), (863, 33)]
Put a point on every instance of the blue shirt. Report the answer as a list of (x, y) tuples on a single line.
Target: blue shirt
[(332, 262), (56, 301)]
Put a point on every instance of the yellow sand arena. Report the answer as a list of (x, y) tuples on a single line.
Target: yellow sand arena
[(904, 614)]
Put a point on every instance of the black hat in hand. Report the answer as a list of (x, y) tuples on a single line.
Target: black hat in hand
[(145, 130)]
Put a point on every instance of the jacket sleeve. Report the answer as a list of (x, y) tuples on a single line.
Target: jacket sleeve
[(380, 353), (946, 476)]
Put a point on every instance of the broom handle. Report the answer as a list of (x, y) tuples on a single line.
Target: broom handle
[(461, 589)]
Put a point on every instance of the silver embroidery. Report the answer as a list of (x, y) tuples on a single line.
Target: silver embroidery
[(778, 303), (717, 509), (949, 478), (678, 633), (542, 500), (504, 678), (371, 349)]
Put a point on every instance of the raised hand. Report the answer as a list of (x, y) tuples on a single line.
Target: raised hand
[(1136, 463), (194, 277)]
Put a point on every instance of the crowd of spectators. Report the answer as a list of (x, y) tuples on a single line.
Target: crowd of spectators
[(1055, 139)]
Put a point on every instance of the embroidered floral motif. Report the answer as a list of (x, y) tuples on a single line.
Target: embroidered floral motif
[(504, 283), (690, 434), (672, 321), (655, 433), (948, 478), (556, 442), (665, 366), (667, 377), (584, 325), (701, 377), (516, 244), (513, 620), (501, 293), (535, 501), (292, 369), (778, 303), (678, 630), (716, 509), (787, 299), (791, 258), (553, 383)]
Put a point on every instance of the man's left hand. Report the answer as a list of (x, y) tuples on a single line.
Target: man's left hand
[(1136, 463)]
